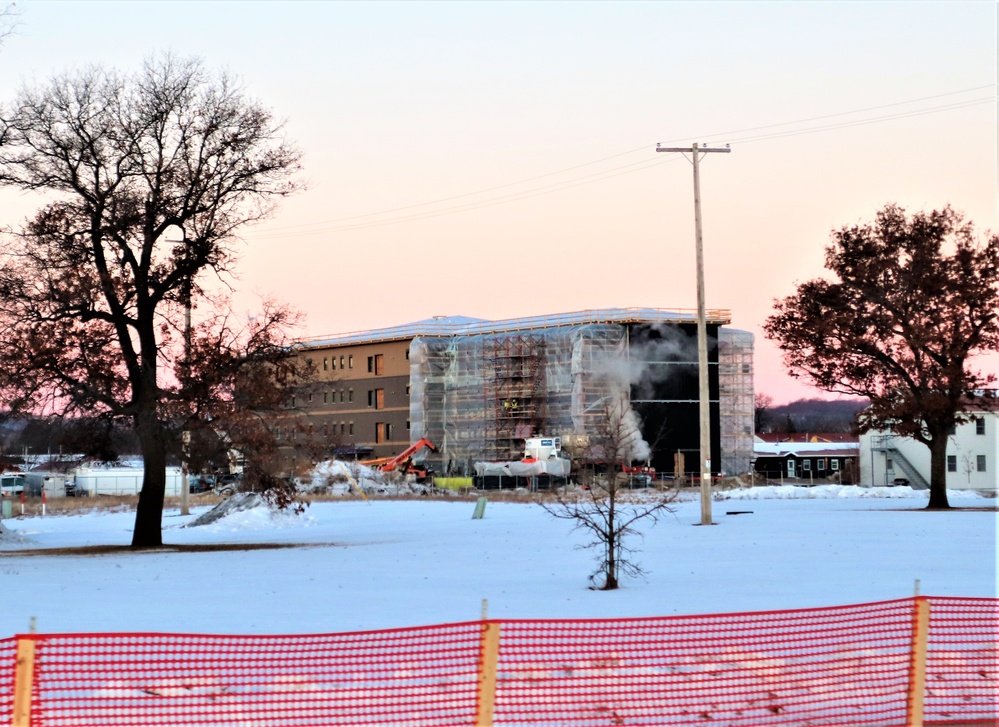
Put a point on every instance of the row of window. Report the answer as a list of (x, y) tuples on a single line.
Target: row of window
[(330, 397), (820, 465), (376, 363), (978, 463), (383, 430), (376, 397), (346, 362)]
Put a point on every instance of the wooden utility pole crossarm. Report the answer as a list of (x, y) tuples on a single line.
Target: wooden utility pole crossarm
[(695, 152)]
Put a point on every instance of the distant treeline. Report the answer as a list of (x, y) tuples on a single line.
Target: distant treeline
[(807, 415), (96, 438)]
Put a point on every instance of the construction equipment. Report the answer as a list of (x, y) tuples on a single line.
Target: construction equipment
[(403, 461)]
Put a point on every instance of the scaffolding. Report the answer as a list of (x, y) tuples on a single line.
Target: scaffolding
[(736, 399), (515, 397), (478, 397)]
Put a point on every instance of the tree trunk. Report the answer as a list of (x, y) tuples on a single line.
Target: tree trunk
[(938, 472), (148, 531), (611, 536)]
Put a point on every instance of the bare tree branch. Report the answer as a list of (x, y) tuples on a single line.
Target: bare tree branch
[(602, 504), (91, 288)]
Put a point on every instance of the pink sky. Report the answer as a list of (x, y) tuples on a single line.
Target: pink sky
[(498, 159)]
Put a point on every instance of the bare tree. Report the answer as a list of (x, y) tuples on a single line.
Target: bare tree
[(600, 506), (239, 394), (8, 21), (762, 407), (92, 289)]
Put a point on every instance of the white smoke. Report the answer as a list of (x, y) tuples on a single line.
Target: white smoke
[(641, 366)]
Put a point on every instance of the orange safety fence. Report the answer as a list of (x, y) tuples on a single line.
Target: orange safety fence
[(915, 661)]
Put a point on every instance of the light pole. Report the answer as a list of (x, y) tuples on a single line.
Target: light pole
[(702, 331), (185, 486)]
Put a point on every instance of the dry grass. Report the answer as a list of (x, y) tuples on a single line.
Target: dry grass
[(102, 503), (127, 503)]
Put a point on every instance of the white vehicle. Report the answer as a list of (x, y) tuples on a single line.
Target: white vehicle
[(11, 484)]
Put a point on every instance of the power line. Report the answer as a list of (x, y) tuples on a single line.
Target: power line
[(514, 197), (331, 226)]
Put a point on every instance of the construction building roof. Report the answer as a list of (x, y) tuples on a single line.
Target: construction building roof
[(445, 326)]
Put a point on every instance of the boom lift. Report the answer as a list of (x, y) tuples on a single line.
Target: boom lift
[(402, 461)]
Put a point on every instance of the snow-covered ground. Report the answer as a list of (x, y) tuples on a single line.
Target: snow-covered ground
[(406, 563)]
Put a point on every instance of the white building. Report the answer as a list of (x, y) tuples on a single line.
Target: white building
[(97, 480), (972, 456)]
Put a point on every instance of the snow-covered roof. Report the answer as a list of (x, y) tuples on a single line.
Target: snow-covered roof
[(442, 326), (806, 449)]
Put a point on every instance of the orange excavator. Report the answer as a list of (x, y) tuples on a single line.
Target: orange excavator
[(403, 461)]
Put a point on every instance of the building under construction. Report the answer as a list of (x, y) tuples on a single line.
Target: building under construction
[(478, 389)]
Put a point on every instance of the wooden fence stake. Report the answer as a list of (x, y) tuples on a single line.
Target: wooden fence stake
[(489, 656), (917, 662), (24, 677)]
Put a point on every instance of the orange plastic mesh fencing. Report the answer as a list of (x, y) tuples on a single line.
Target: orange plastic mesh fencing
[(836, 666), (8, 667), (962, 664), (847, 665), (409, 677)]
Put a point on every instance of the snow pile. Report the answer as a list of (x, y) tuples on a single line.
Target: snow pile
[(248, 511), (11, 537), (827, 492), (335, 477), (261, 518)]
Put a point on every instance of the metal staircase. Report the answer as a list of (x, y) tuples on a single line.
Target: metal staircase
[(886, 444)]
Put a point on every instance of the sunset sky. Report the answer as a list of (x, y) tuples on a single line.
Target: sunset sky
[(497, 159)]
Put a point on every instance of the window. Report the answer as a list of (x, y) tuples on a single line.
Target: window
[(350, 394), (326, 364), (333, 362), (820, 464), (293, 401), (834, 464), (952, 463), (371, 397), (350, 427), (324, 397), (341, 361), (981, 462), (980, 425), (806, 465), (350, 362), (889, 465), (371, 364), (407, 425), (407, 354), (341, 396), (407, 391), (310, 397), (343, 428)]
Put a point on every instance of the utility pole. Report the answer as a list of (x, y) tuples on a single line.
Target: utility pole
[(185, 474), (695, 152)]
